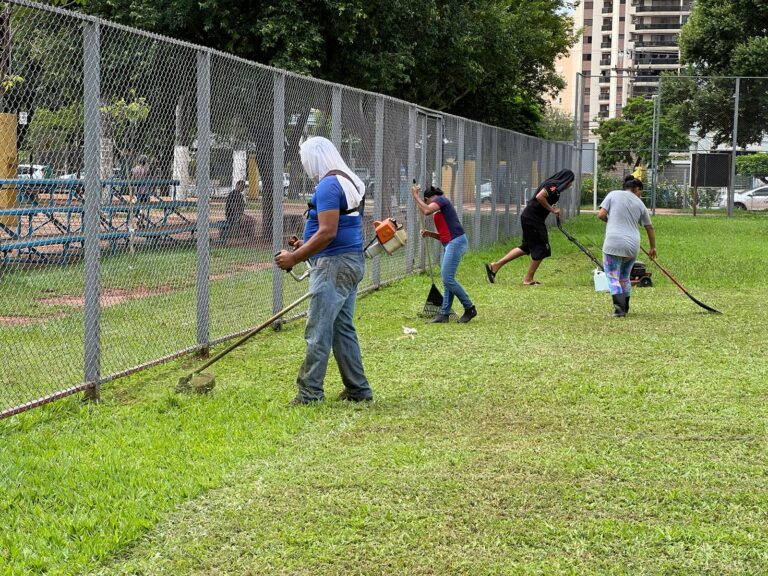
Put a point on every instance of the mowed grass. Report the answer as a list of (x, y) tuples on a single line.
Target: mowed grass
[(542, 438)]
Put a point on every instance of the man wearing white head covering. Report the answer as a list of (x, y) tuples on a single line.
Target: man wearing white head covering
[(333, 243)]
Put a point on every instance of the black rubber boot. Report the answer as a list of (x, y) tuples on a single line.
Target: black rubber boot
[(619, 301), (469, 313), (439, 319), (626, 304)]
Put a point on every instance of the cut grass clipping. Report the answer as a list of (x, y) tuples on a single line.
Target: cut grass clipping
[(541, 438)]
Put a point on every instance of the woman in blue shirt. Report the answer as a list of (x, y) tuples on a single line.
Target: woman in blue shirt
[(333, 244), (450, 232)]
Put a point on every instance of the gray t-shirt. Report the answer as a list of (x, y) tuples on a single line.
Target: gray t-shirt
[(625, 212)]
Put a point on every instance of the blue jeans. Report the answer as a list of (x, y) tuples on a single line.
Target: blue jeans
[(454, 252), (330, 326)]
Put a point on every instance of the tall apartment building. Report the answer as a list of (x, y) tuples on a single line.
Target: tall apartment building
[(624, 47)]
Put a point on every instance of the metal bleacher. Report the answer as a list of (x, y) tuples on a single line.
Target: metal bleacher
[(46, 225)]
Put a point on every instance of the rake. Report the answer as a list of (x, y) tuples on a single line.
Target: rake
[(668, 275)]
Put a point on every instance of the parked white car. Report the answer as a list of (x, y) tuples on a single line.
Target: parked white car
[(755, 199), (486, 191), (33, 171)]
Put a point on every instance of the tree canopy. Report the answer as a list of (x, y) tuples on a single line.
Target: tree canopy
[(627, 139), (490, 60), (755, 165), (723, 38)]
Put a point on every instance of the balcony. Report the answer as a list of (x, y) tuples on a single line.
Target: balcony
[(605, 44), (644, 90), (656, 61), (602, 114), (670, 26), (606, 27), (608, 9), (605, 62), (652, 44), (662, 8), (604, 96), (604, 79)]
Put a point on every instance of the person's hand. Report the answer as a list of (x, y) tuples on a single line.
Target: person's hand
[(415, 190), (424, 233), (652, 253), (285, 260), (295, 243), (556, 212)]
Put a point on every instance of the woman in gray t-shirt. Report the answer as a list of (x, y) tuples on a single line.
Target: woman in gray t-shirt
[(623, 211)]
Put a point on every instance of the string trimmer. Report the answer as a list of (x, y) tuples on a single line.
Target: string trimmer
[(201, 382)]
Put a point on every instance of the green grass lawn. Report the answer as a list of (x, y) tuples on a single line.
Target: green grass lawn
[(542, 438)]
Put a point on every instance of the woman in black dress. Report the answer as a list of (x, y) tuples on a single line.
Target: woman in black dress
[(533, 223)]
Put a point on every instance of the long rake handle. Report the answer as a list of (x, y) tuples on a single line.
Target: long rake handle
[(668, 275), (252, 333), (664, 270), (578, 244), (429, 256)]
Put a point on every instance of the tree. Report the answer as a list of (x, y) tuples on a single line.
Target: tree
[(755, 165), (125, 116), (557, 125), (627, 139), (724, 38), (490, 60)]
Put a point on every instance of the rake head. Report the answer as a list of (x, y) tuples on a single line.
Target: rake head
[(434, 303)]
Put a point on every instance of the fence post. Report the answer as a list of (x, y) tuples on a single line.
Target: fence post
[(508, 182), (460, 172), (521, 156), (278, 162), (732, 183), (203, 176), (335, 118), (595, 168), (578, 133), (91, 206), (655, 145), (426, 182), (494, 183), (476, 240), (411, 214), (378, 178), (439, 152)]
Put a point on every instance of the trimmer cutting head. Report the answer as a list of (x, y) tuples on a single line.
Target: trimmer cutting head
[(200, 383)]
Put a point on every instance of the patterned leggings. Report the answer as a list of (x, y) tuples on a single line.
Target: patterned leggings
[(617, 269)]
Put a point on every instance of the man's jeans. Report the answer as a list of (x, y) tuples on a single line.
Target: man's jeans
[(330, 325), (454, 252)]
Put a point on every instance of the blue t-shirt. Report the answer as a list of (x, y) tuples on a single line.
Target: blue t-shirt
[(446, 220), (328, 195)]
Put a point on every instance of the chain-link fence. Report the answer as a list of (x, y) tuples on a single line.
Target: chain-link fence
[(145, 185), (696, 140)]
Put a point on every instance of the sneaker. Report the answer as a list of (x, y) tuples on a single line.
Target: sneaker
[(299, 401), (440, 319), (469, 313), (346, 396)]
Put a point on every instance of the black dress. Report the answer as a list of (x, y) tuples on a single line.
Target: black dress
[(533, 222)]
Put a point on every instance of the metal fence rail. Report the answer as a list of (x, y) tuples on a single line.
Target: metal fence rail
[(145, 184)]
